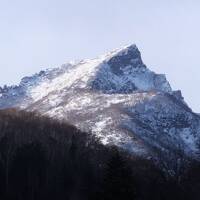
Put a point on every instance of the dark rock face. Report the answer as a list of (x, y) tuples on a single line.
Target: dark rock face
[(124, 73), (178, 95), (130, 56), (111, 88)]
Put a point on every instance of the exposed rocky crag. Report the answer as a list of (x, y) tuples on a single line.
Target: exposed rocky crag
[(116, 97)]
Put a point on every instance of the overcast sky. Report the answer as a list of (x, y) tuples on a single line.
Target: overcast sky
[(39, 34)]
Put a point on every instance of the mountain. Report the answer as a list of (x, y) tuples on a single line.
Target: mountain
[(117, 98)]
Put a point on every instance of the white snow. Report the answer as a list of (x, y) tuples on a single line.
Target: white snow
[(54, 100), (82, 73), (66, 93), (100, 125)]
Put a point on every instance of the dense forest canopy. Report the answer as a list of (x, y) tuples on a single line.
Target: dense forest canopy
[(41, 158)]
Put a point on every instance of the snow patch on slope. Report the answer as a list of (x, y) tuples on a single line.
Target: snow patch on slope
[(116, 97)]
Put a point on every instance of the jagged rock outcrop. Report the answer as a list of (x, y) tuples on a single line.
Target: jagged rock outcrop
[(116, 97)]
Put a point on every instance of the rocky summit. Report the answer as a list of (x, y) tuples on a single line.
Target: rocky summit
[(115, 97)]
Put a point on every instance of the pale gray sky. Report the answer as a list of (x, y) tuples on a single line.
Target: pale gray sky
[(37, 34)]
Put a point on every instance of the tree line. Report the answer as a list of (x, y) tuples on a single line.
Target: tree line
[(41, 158)]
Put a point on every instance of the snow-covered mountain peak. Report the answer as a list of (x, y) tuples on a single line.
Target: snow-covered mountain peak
[(119, 71), (116, 97), (122, 50), (126, 54), (123, 71)]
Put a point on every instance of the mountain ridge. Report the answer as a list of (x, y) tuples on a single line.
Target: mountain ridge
[(116, 97)]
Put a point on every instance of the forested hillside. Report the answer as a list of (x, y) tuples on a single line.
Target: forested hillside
[(41, 158)]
